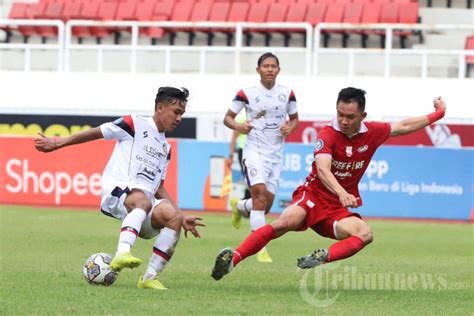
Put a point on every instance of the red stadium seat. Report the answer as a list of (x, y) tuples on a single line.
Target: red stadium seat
[(296, 14), (334, 14), (72, 10), (258, 14), (353, 15), (181, 13), (219, 13), (126, 10), (90, 11), (469, 59), (276, 13), (238, 12), (389, 14), (162, 12), (21, 10), (201, 11), (409, 14), (469, 46), (316, 13), (106, 12), (370, 15), (49, 11)]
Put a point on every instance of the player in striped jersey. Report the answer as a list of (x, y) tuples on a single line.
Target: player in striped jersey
[(132, 182), (271, 115)]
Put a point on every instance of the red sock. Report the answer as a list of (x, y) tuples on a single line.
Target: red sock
[(253, 243), (345, 248)]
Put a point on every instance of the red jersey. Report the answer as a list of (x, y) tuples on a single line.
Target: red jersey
[(350, 156)]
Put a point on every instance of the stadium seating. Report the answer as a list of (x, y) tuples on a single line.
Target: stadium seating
[(219, 13), (239, 11), (469, 59), (312, 11), (257, 14), (296, 14)]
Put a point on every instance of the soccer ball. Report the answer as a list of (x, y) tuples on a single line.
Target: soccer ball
[(97, 270)]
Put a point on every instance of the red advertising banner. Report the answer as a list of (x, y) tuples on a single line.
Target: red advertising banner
[(67, 177), (438, 135)]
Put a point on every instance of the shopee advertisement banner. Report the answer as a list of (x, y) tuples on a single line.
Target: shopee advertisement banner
[(437, 135), (70, 176)]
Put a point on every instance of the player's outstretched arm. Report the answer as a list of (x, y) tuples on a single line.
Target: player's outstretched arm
[(411, 125), (47, 144)]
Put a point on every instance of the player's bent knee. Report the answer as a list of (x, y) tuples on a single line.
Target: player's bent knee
[(281, 226), (366, 235)]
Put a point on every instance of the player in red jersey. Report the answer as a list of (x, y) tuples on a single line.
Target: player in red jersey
[(342, 153)]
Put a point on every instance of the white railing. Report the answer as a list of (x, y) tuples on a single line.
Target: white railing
[(27, 48), (389, 51), (237, 49), (311, 50)]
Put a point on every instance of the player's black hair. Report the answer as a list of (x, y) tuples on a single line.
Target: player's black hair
[(265, 56), (171, 95), (350, 94)]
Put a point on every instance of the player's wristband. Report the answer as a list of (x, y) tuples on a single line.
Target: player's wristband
[(435, 116)]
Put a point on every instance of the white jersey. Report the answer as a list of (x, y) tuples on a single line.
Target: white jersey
[(267, 110), (140, 157)]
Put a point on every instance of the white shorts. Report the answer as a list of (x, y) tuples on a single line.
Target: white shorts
[(259, 171), (112, 204)]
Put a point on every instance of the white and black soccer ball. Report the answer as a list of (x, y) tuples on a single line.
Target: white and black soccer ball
[(97, 270)]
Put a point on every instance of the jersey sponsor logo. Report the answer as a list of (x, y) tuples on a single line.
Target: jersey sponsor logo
[(153, 152), (145, 134), (257, 99), (342, 174), (260, 114), (349, 151), (309, 203), (282, 97), (362, 148), (147, 173), (253, 172), (319, 145), (165, 149), (351, 165)]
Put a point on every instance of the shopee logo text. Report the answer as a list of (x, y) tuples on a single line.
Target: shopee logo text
[(57, 183)]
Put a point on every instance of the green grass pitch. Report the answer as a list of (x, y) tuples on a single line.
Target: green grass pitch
[(413, 268)]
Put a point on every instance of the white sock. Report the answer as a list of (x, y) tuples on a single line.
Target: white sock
[(163, 250), (244, 206), (130, 229), (257, 219)]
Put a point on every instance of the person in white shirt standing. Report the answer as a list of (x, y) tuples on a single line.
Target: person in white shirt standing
[(132, 182), (271, 115)]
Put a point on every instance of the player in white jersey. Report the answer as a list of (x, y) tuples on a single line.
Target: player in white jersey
[(132, 182), (271, 115)]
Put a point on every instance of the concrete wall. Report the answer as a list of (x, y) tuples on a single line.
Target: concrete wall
[(111, 94)]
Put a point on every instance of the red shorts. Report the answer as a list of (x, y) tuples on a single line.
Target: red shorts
[(320, 212)]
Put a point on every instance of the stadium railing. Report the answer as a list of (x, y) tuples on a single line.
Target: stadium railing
[(312, 50), (389, 51), (28, 47), (237, 49)]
